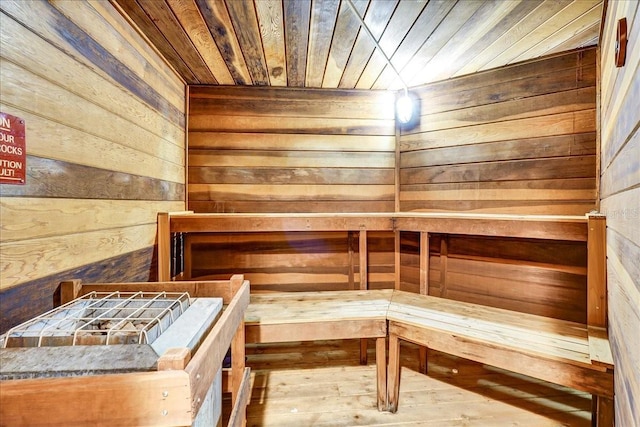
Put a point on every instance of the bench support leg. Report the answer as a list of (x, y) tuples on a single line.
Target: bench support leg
[(602, 411), (363, 351), (381, 371), (394, 372), (423, 360)]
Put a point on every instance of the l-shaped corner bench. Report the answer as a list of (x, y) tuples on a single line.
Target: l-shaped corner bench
[(576, 355)]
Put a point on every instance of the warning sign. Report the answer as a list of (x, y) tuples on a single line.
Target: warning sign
[(13, 152)]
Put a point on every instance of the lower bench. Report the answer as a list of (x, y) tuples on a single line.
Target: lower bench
[(325, 315), (549, 349)]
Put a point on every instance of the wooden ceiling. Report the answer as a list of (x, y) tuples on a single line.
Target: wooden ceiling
[(320, 43)]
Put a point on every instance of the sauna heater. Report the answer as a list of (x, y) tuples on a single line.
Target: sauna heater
[(109, 333)]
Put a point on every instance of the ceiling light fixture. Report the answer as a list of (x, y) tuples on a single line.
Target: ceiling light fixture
[(405, 105)]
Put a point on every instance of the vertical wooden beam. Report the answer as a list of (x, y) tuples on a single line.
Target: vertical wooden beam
[(596, 270), (164, 247), (381, 368), (363, 259), (352, 282), (424, 263), (393, 374), (187, 274), (363, 285), (237, 362), (397, 170), (598, 118), (602, 411), (397, 259), (444, 253)]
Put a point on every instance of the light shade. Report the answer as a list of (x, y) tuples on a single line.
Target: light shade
[(404, 108)]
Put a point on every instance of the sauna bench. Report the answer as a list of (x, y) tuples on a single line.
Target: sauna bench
[(558, 351), (325, 315)]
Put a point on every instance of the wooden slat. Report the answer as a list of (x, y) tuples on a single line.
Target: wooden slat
[(430, 17), (217, 17), (51, 178), (136, 14), (599, 347), (245, 24), (194, 25), (26, 260), (296, 24), (78, 147), (521, 30), (342, 42), (322, 22), (30, 218), (271, 21), (376, 17), (465, 43), (47, 96), (165, 20), (104, 91), (159, 398), (540, 33), (291, 142)]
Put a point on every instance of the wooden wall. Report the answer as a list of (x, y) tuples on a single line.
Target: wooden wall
[(105, 119), (518, 139), (620, 201), (290, 150), (542, 277)]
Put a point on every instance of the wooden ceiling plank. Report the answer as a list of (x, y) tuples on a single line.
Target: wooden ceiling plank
[(518, 31), (565, 32), (455, 19), (401, 22), (163, 17), (112, 14), (483, 21), (427, 22), (245, 23), (557, 21), (323, 19), (376, 18), (296, 31), (271, 22), (587, 37), (140, 18), (218, 21), (188, 14), (510, 20), (344, 38)]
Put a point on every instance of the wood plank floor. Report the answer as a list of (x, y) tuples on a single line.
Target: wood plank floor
[(323, 384)]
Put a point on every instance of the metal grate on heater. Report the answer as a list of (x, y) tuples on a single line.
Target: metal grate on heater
[(101, 318)]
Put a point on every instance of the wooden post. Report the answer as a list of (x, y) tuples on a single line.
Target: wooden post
[(164, 247), (352, 283), (396, 251), (363, 259), (237, 362), (187, 274), (69, 290), (444, 252), (424, 263), (393, 374), (596, 270), (381, 368)]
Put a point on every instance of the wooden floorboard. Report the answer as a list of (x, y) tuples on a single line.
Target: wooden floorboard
[(323, 384)]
